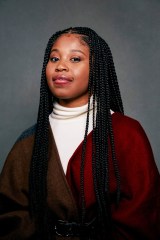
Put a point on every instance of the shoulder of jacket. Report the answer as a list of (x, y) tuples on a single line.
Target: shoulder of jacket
[(127, 125), (27, 133)]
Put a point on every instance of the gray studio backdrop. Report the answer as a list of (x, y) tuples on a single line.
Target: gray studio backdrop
[(131, 27)]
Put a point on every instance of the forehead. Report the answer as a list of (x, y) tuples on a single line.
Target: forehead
[(70, 41)]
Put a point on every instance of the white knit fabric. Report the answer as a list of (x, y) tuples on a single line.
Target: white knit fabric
[(68, 127)]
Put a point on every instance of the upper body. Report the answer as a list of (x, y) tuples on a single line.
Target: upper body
[(138, 213)]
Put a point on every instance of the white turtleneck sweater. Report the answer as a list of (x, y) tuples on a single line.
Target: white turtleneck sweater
[(68, 127)]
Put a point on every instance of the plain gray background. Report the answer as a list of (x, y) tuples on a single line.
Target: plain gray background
[(131, 28)]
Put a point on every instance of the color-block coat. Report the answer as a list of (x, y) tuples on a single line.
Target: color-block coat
[(138, 215)]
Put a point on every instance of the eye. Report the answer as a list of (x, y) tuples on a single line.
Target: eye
[(54, 59), (75, 59)]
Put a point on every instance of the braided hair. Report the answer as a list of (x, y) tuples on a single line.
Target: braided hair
[(103, 85)]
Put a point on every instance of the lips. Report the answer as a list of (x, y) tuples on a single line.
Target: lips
[(62, 79)]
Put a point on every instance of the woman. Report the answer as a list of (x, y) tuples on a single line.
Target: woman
[(85, 171)]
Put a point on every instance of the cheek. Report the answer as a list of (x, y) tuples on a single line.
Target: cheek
[(48, 71), (49, 77), (83, 73)]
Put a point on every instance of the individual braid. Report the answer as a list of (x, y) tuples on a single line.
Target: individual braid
[(101, 131), (115, 100), (83, 161), (103, 85)]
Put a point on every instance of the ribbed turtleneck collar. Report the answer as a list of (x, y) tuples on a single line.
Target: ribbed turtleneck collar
[(60, 112)]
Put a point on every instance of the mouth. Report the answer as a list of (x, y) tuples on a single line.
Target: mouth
[(61, 79)]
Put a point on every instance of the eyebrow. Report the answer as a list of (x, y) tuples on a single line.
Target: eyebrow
[(73, 50)]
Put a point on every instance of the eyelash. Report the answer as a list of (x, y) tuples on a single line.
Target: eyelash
[(54, 59), (76, 59), (73, 59)]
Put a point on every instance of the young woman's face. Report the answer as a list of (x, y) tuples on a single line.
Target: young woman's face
[(67, 71)]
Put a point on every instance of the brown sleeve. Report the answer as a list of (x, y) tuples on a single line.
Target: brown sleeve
[(15, 221)]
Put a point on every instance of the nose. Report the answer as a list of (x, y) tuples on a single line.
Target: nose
[(61, 66)]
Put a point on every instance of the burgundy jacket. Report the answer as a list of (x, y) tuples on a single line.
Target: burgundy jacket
[(138, 214)]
